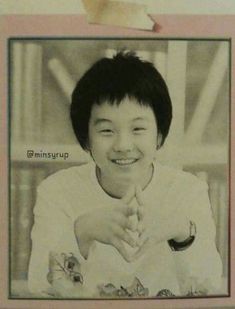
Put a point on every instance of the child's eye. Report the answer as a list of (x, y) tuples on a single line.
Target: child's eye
[(106, 132), (139, 129)]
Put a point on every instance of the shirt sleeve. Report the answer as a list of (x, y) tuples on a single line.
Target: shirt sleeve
[(199, 267), (53, 231)]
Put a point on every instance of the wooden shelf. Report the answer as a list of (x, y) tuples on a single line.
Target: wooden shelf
[(195, 154)]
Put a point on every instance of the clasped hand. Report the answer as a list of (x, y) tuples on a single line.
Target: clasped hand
[(111, 225)]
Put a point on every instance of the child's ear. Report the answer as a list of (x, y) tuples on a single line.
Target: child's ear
[(159, 140)]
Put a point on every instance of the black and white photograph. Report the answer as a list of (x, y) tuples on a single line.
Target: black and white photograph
[(119, 167)]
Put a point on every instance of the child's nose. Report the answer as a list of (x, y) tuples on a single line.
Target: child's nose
[(123, 142)]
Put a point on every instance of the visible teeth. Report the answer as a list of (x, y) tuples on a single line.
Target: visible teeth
[(124, 161)]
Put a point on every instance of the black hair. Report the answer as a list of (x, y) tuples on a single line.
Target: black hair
[(113, 79)]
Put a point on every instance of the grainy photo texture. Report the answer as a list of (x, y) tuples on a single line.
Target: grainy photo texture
[(119, 168)]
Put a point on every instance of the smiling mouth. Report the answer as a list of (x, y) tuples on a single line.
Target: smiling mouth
[(124, 162)]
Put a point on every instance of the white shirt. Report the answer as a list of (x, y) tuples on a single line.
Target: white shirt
[(70, 193)]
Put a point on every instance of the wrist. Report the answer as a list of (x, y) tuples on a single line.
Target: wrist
[(183, 231), (182, 245), (83, 237)]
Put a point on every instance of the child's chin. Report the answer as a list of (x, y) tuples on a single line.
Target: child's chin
[(126, 177), (125, 183)]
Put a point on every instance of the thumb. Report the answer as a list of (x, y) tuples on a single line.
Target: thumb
[(138, 193), (128, 197)]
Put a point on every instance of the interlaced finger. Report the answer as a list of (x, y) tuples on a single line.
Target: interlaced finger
[(124, 222), (143, 248), (121, 249), (128, 210), (125, 236), (140, 213), (140, 228)]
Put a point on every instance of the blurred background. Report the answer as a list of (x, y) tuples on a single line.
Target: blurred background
[(42, 76)]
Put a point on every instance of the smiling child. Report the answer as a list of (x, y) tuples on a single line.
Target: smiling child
[(123, 225)]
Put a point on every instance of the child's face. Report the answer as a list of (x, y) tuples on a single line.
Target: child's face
[(123, 139)]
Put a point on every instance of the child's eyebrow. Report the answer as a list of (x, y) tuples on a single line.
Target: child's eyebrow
[(101, 120), (140, 118)]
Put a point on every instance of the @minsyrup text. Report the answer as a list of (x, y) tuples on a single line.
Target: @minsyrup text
[(47, 155)]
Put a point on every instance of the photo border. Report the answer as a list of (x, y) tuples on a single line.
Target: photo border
[(10, 40)]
